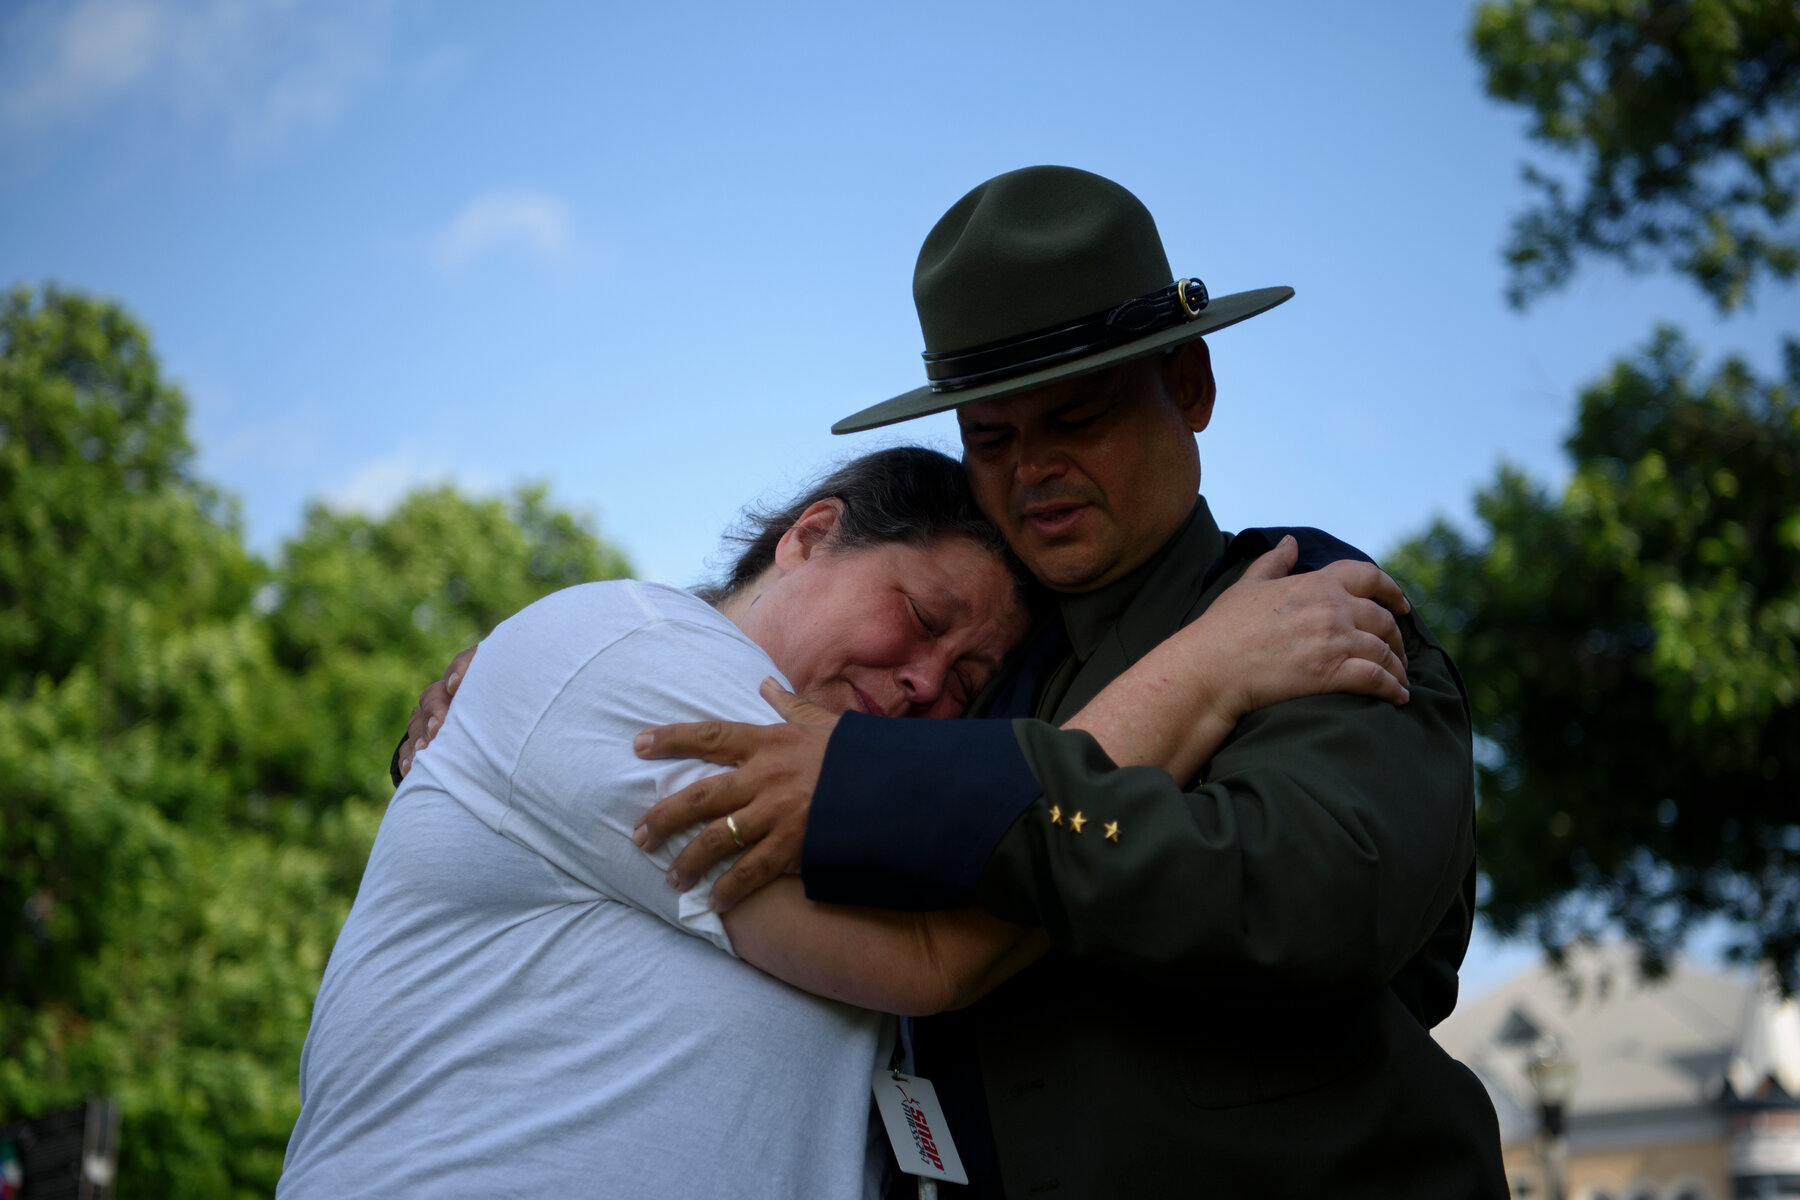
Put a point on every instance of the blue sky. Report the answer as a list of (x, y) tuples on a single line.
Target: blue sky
[(649, 253)]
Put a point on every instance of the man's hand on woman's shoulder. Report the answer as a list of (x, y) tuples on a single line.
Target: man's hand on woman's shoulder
[(760, 808)]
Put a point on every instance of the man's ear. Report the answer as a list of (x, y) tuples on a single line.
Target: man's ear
[(814, 529), (1189, 375)]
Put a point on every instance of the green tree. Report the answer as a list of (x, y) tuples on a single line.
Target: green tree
[(193, 743), (1684, 119), (114, 561), (1630, 644), (1630, 650), (131, 674), (105, 533)]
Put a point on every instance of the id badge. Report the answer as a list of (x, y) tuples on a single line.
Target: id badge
[(916, 1127)]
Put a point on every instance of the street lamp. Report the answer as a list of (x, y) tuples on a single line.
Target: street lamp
[(1551, 1070)]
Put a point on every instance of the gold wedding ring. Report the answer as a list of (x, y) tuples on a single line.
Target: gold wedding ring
[(731, 824)]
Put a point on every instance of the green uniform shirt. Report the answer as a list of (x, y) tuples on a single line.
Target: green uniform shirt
[(1244, 977)]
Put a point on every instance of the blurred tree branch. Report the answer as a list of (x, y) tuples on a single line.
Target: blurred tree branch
[(1683, 118)]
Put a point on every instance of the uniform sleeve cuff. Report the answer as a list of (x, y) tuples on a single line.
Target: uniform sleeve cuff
[(907, 813)]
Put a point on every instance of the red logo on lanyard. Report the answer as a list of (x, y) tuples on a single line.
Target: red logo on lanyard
[(921, 1129)]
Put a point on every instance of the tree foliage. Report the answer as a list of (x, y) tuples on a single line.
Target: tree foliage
[(193, 743), (94, 456), (360, 604), (1684, 118), (1630, 650)]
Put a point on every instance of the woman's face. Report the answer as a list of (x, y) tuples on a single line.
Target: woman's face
[(892, 629)]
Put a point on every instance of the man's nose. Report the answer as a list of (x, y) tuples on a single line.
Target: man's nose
[(1039, 459)]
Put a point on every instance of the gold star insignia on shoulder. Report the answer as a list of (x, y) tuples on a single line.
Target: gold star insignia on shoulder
[(1076, 822), (1056, 814), (1112, 831)]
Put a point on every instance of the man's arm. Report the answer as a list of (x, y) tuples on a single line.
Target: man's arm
[(1331, 835), (1329, 839)]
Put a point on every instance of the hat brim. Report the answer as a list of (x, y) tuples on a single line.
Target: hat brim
[(922, 402)]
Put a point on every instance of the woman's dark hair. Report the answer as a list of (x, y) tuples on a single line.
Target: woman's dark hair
[(904, 494)]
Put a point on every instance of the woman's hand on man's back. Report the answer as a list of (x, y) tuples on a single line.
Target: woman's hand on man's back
[(434, 706)]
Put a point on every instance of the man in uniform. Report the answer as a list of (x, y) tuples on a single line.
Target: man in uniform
[(1245, 969)]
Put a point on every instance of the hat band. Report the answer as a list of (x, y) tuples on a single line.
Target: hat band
[(1140, 316)]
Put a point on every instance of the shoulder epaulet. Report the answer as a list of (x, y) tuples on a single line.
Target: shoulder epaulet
[(1317, 548)]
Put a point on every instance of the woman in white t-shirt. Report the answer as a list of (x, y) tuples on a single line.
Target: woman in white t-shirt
[(519, 1004)]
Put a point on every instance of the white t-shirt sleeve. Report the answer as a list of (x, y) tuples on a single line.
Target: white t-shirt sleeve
[(577, 789)]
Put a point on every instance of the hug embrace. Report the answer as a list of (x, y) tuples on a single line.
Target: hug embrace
[(1162, 897)]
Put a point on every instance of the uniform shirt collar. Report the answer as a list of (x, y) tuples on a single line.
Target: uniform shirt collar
[(1157, 595)]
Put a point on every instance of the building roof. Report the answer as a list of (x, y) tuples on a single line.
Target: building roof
[(1675, 1044)]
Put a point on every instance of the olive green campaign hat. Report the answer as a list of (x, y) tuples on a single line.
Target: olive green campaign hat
[(1041, 274)]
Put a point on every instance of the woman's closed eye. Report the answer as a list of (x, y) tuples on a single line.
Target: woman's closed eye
[(965, 687), (926, 623), (959, 681)]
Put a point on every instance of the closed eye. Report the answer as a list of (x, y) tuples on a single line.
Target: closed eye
[(919, 616), (985, 438), (1081, 415)]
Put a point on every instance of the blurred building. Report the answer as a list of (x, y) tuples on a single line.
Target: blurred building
[(71, 1154), (1685, 1089)]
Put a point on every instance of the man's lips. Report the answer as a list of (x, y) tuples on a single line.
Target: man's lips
[(1054, 519), (864, 703)]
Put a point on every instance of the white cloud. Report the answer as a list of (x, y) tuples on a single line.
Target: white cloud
[(536, 223), (96, 51), (378, 484), (264, 71)]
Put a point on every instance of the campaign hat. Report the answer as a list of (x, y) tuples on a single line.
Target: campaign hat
[(1042, 274)]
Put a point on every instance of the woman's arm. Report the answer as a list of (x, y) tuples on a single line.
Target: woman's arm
[(913, 964), (1269, 637)]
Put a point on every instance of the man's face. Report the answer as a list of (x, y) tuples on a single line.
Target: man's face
[(1088, 477)]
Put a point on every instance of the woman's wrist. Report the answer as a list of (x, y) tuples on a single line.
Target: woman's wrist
[(1172, 709)]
